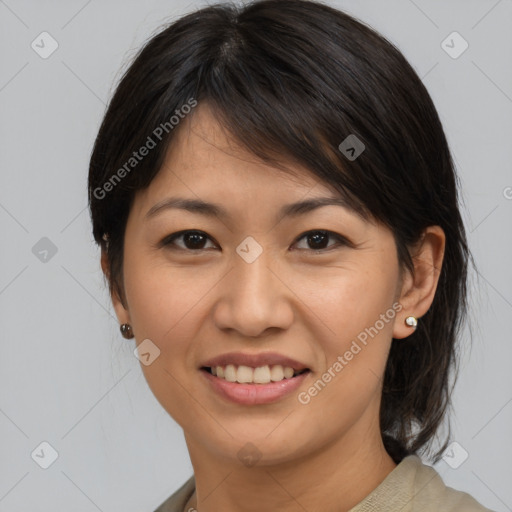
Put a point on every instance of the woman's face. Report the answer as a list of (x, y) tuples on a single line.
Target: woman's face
[(254, 282)]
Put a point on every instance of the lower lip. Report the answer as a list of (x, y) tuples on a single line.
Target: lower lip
[(253, 394)]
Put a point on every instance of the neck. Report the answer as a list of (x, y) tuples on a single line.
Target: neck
[(333, 478)]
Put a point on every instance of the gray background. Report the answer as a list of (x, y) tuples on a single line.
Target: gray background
[(68, 378)]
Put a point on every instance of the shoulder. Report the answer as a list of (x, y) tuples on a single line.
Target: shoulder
[(177, 501), (416, 487), (411, 487), (427, 491)]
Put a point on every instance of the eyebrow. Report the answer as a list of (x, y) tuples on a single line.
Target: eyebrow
[(214, 210)]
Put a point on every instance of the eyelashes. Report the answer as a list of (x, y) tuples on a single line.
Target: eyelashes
[(193, 236), (197, 241)]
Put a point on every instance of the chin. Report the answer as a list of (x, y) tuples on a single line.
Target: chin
[(252, 444)]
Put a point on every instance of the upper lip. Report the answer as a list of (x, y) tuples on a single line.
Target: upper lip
[(254, 360)]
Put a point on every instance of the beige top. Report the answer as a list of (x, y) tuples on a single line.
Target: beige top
[(411, 487)]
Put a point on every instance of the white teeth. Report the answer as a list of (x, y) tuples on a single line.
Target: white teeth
[(262, 375), (230, 373), (288, 372), (277, 373), (246, 374)]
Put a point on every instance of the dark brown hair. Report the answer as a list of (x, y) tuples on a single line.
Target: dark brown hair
[(292, 79)]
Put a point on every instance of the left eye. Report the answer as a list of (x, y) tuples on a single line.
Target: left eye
[(193, 240), (318, 239)]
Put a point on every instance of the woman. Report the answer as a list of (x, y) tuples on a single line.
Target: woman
[(277, 210)]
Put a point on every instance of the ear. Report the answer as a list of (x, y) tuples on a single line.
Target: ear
[(122, 312), (418, 290)]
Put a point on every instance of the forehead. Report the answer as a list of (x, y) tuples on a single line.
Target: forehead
[(204, 158), (206, 170)]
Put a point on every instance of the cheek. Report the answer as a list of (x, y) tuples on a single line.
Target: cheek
[(352, 300), (163, 300), (358, 310), (165, 308)]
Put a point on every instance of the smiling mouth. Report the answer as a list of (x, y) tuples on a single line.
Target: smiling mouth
[(247, 375)]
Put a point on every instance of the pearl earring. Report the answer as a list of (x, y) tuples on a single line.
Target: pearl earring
[(411, 321)]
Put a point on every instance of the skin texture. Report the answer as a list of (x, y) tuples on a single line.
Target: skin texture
[(198, 303)]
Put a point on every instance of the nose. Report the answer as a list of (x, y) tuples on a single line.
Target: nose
[(253, 298)]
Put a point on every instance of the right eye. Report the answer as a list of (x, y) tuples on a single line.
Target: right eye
[(193, 240)]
